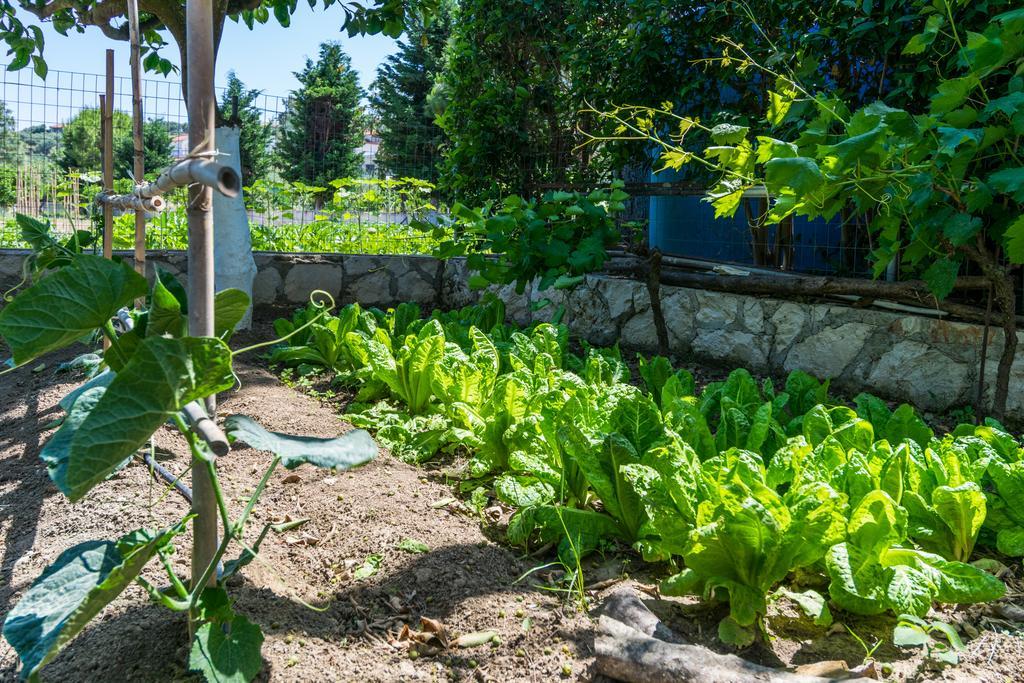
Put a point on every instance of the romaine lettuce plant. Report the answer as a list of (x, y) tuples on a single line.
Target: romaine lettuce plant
[(747, 538), (874, 571), (737, 486)]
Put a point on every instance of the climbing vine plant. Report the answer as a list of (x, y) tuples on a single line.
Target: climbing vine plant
[(153, 371), (941, 185)]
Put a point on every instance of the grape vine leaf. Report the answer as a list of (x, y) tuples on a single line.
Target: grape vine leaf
[(1015, 241)]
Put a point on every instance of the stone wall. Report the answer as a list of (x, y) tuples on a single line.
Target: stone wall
[(287, 279), (930, 362)]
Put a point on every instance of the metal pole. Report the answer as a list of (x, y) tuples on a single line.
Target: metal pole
[(139, 166), (201, 103)]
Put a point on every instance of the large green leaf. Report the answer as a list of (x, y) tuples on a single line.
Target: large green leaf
[(877, 523), (940, 276), (101, 380), (964, 583), (73, 590), (57, 449), (165, 314), (349, 450), (1014, 237), (416, 367), (905, 424), (1009, 181), (227, 656), (801, 174), (909, 591), (580, 531), (523, 490), (858, 581), (229, 307), (73, 302), (636, 417), (163, 375)]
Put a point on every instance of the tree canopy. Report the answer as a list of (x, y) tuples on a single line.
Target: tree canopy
[(238, 108), (80, 142), (401, 99), (163, 19), (323, 124)]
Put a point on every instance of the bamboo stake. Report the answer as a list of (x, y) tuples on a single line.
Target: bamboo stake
[(107, 117), (139, 165), (107, 152), (107, 240), (201, 104)]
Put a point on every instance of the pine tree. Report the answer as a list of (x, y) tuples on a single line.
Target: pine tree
[(156, 150), (238, 108), (410, 140), (323, 124)]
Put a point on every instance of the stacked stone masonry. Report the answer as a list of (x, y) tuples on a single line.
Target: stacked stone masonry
[(927, 361)]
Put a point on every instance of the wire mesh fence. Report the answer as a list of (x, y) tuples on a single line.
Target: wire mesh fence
[(50, 169)]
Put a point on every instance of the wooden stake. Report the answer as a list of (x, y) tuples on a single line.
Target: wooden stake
[(107, 152), (139, 167), (201, 105)]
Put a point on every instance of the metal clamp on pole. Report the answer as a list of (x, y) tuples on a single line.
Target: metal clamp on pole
[(206, 428)]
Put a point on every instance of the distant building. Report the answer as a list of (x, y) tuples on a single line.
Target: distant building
[(371, 143), (179, 146)]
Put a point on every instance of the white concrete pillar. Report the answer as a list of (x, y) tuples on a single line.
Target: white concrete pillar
[(232, 245)]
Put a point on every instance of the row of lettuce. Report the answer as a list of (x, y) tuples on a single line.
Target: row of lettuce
[(738, 487)]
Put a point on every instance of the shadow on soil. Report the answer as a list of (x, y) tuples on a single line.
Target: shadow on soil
[(148, 642), (23, 485)]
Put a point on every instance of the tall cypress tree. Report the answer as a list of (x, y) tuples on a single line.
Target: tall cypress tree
[(238, 108), (409, 138), (323, 124)]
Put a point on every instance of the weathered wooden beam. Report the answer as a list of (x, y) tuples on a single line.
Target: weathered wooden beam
[(791, 285), (633, 645)]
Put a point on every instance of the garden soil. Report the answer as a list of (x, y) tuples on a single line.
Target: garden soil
[(324, 623)]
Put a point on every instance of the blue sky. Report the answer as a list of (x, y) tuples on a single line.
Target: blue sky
[(264, 58)]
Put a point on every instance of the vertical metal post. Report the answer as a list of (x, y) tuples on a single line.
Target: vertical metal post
[(139, 166), (201, 103)]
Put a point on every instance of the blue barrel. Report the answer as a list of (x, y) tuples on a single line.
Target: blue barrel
[(686, 226)]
